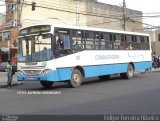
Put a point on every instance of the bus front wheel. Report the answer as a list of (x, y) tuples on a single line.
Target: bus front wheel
[(76, 79), (129, 74), (46, 84)]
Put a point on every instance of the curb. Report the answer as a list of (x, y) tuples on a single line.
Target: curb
[(156, 70), (4, 84)]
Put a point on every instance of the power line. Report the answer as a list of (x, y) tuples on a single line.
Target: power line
[(50, 7), (89, 14), (42, 4), (68, 11), (94, 14), (84, 11), (8, 4), (69, 7), (104, 22), (152, 13), (144, 16), (101, 15), (59, 3)]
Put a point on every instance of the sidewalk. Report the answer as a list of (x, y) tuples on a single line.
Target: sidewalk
[(3, 78), (155, 69)]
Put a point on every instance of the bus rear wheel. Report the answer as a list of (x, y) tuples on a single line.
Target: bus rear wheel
[(129, 74), (76, 79), (46, 84)]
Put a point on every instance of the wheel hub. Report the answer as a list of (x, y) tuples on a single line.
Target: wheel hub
[(76, 79)]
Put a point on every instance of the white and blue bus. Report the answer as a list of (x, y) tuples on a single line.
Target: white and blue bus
[(57, 53)]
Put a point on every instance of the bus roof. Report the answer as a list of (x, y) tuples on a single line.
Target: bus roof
[(99, 29), (91, 28)]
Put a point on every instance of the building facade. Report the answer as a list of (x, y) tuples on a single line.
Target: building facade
[(2, 20), (81, 13), (20, 13), (157, 42), (113, 17), (8, 33), (155, 37)]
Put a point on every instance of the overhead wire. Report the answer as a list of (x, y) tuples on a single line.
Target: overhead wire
[(103, 14), (69, 7), (82, 13), (90, 14), (59, 3), (42, 4), (50, 6)]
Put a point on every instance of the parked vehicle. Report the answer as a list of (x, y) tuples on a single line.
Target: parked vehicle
[(3, 66)]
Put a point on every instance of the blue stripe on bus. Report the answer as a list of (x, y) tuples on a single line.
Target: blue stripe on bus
[(62, 74)]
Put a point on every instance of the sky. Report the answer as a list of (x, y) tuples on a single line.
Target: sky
[(2, 8), (148, 7)]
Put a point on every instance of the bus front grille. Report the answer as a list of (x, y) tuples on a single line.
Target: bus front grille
[(32, 72)]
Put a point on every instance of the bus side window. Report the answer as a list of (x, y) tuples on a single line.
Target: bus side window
[(66, 41), (77, 40), (111, 38), (138, 42), (62, 41), (62, 44), (129, 47), (76, 46), (89, 36), (146, 39), (59, 41), (106, 39), (103, 44), (117, 41), (96, 41)]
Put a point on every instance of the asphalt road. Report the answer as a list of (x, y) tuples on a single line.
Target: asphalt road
[(140, 95)]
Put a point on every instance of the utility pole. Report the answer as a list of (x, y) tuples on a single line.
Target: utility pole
[(18, 19), (124, 15), (77, 13)]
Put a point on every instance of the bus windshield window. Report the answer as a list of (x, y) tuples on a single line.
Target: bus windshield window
[(35, 48)]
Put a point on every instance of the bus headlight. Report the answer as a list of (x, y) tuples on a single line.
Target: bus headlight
[(21, 72), (46, 71)]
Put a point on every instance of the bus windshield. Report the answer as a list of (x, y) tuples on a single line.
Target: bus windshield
[(35, 48)]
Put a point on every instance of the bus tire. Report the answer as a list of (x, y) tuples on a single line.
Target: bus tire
[(105, 77), (46, 84), (129, 74), (76, 79)]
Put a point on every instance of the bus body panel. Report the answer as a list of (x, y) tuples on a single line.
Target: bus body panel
[(96, 63), (64, 74), (55, 75)]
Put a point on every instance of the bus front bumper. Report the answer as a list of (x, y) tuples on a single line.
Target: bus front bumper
[(39, 77)]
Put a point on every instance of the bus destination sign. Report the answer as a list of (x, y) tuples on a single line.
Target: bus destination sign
[(35, 30)]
